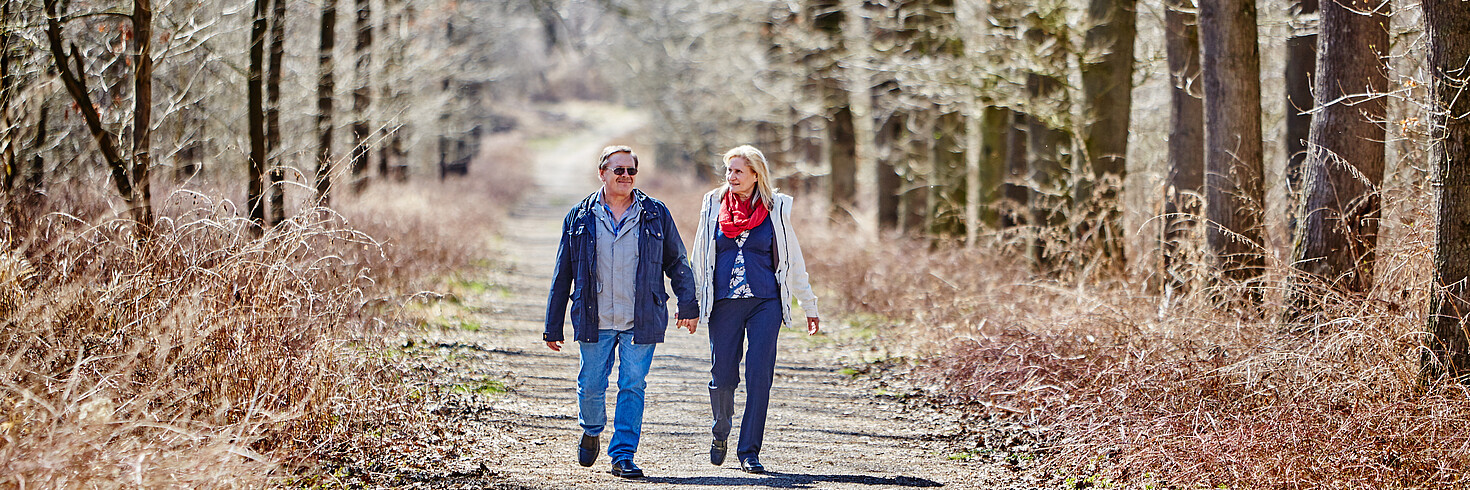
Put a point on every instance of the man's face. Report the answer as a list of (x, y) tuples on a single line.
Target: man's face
[(619, 185)]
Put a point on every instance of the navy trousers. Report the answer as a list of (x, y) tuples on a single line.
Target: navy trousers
[(732, 323)]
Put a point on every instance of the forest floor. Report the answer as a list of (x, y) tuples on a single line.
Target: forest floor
[(500, 407)]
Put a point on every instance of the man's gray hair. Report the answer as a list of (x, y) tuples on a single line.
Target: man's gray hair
[(608, 152)]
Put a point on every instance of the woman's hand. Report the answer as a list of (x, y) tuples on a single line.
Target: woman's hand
[(813, 325), (688, 323)]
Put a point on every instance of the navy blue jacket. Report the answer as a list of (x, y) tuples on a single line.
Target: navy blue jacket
[(660, 253)]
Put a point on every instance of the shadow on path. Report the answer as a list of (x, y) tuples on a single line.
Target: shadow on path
[(794, 480)]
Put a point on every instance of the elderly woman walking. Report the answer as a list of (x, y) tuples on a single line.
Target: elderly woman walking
[(747, 266)]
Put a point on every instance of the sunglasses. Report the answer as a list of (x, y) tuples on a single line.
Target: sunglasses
[(625, 170)]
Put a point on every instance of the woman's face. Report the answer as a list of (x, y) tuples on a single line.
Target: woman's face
[(740, 176)]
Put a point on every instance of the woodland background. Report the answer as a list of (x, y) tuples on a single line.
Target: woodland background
[(1214, 244)]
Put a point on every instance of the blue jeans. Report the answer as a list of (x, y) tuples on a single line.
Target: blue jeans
[(597, 363), (732, 324)]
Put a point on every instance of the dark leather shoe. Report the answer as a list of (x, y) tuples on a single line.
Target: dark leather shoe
[(752, 465), (626, 469), (717, 453), (587, 450)]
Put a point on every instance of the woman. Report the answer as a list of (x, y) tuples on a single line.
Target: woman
[(747, 266)]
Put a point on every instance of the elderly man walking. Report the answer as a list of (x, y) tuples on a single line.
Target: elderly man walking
[(616, 246)]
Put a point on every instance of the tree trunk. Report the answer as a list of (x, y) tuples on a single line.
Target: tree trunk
[(842, 162), (1339, 209), (70, 68), (895, 132), (1017, 192), (8, 155), (1234, 196), (326, 87), (947, 180), (35, 182), (273, 111), (142, 205), (1107, 87), (1447, 25), (860, 103), (255, 117), (1186, 134), (1301, 66), (993, 147), (362, 95), (1048, 197)]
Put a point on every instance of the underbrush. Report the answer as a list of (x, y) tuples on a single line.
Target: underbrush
[(1139, 387), (208, 356)]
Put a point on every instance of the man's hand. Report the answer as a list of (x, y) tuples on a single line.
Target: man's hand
[(813, 325), (556, 346), (689, 324)]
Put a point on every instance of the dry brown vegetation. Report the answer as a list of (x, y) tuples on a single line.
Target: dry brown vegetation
[(1139, 388), (206, 357)]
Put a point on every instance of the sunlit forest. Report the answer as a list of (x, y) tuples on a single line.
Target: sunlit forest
[(1171, 244)]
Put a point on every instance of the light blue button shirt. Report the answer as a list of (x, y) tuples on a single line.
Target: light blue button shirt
[(617, 266)]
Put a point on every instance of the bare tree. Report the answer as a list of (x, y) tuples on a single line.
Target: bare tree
[(326, 87), (1107, 87), (255, 116), (1447, 23), (1301, 66), (1186, 133), (1339, 205), (362, 95), (129, 172), (277, 189), (1234, 193)]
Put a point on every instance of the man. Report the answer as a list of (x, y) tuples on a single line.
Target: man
[(615, 247)]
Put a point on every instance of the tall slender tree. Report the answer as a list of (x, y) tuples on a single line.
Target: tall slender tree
[(129, 171), (362, 95), (277, 189), (1447, 25), (1186, 132), (1339, 206), (1234, 193), (1107, 88), (326, 87), (255, 116), (1301, 66)]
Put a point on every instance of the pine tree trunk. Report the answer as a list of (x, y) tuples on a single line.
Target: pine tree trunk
[(142, 205), (326, 87), (889, 182), (362, 95), (993, 147), (1234, 196), (1107, 87), (1016, 192), (1339, 207), (1182, 203), (1301, 66), (842, 177), (273, 111), (255, 116), (1047, 177), (1447, 25)]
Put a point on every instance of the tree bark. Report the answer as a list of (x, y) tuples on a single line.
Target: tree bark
[(842, 163), (860, 103), (1234, 196), (993, 148), (326, 87), (1339, 206), (1048, 197), (255, 116), (362, 95), (1016, 191), (142, 207), (8, 155), (973, 141), (1107, 87), (895, 131), (1301, 66), (1183, 196), (273, 111), (1447, 25), (76, 85)]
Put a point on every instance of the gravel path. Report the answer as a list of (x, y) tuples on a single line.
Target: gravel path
[(503, 406)]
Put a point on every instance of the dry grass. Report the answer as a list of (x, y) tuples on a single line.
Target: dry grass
[(1138, 389), (208, 357)]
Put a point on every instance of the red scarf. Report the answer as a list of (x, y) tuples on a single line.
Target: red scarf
[(737, 216)]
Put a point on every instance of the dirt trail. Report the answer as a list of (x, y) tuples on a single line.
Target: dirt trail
[(826, 429)]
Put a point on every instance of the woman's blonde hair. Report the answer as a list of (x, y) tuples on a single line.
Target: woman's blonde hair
[(763, 190)]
